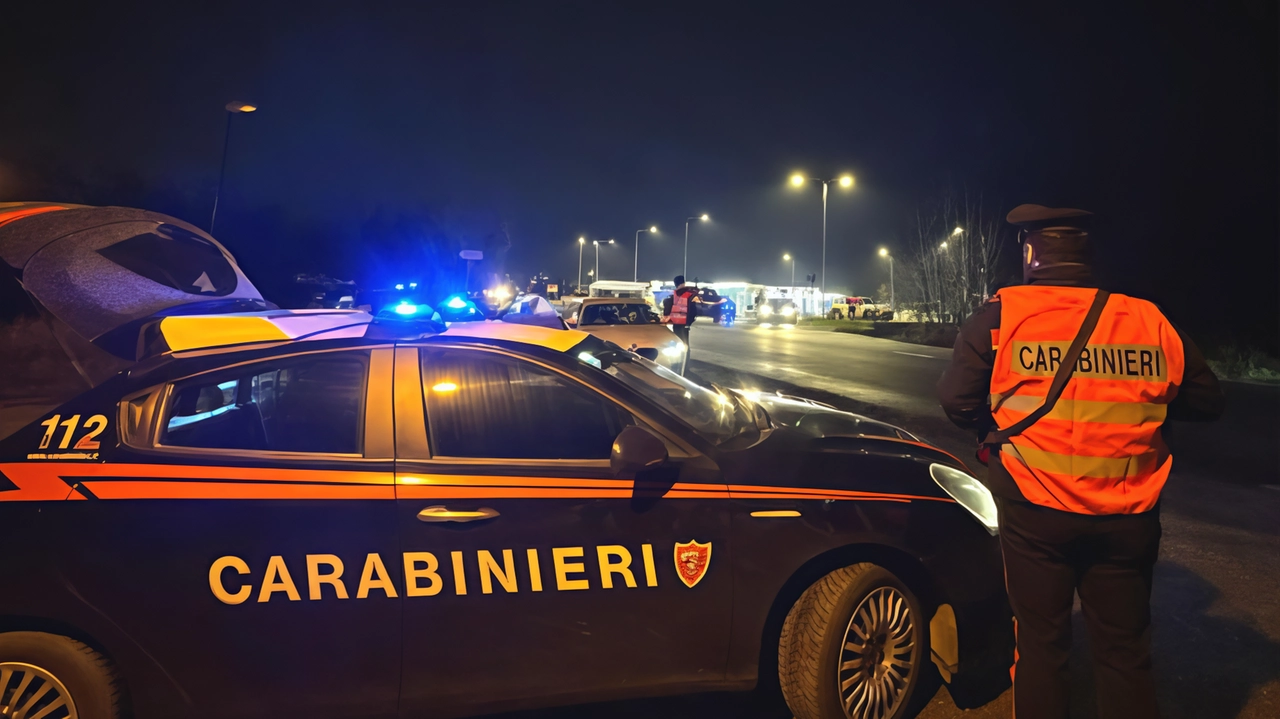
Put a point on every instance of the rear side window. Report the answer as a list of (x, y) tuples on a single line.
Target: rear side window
[(303, 404), (486, 406)]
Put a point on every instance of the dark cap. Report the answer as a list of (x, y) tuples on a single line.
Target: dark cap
[(1039, 217), (679, 280)]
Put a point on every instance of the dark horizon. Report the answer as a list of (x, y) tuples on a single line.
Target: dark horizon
[(565, 121)]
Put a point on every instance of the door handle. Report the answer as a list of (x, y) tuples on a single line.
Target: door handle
[(444, 514)]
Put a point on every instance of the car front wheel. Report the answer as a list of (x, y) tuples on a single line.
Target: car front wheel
[(55, 677), (854, 646)]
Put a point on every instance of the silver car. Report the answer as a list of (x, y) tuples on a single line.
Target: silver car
[(630, 323)]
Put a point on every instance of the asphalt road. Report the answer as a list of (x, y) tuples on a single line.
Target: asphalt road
[(1216, 603)]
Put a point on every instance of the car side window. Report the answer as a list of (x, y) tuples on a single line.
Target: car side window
[(313, 403), (487, 406)]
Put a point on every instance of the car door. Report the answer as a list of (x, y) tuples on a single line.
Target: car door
[(533, 575), (248, 541)]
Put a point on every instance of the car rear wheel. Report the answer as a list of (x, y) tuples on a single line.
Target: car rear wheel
[(54, 677), (854, 647)]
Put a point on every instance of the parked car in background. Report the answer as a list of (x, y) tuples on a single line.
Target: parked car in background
[(859, 308)]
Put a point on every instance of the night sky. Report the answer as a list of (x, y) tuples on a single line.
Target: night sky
[(598, 119)]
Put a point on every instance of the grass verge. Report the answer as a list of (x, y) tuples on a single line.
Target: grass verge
[(921, 333)]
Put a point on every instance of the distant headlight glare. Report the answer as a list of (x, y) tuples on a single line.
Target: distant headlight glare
[(969, 492), (788, 310), (766, 310)]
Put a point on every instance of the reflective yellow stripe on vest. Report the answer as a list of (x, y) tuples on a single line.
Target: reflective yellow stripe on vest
[(1083, 410), (1078, 465)]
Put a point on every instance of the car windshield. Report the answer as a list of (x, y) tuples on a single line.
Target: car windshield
[(618, 314), (717, 416)]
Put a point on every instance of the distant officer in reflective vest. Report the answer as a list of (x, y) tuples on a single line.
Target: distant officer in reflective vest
[(1079, 488), (678, 308)]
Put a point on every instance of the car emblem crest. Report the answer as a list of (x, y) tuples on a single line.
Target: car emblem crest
[(692, 560)]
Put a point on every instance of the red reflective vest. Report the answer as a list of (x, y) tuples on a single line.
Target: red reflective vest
[(680, 307), (1099, 451)]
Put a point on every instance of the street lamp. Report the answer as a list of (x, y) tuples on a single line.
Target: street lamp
[(846, 181), (635, 272), (687, 220), (597, 244), (788, 258), (884, 252), (943, 246), (582, 241), (234, 107)]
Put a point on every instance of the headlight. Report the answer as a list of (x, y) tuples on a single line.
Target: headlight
[(766, 310), (674, 350), (969, 492), (788, 310)]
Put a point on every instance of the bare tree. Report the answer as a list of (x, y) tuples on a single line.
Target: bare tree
[(953, 257)]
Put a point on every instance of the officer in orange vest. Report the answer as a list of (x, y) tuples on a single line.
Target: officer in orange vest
[(679, 310), (1077, 460)]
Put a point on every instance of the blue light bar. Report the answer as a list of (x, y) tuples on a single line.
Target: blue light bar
[(406, 308)]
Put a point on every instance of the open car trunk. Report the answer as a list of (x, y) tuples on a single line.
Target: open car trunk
[(97, 275)]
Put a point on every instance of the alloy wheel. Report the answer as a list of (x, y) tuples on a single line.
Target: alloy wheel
[(875, 664), (29, 692)]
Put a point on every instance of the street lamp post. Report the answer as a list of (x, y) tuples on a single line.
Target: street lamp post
[(885, 253), (788, 258), (582, 241), (846, 181), (233, 108), (635, 271), (597, 244), (687, 220)]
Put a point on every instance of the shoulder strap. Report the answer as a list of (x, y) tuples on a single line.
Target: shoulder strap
[(1060, 378)]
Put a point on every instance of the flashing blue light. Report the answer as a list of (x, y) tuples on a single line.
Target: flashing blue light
[(406, 308), (399, 287), (412, 285), (456, 303)]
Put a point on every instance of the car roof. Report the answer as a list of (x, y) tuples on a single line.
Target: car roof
[(614, 301)]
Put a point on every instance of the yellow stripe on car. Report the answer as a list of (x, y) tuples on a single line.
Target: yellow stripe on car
[(195, 332), (557, 340)]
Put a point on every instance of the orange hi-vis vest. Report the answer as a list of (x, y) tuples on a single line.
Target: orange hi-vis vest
[(1099, 451), (680, 307)]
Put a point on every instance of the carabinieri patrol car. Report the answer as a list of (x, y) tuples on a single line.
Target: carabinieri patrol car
[(316, 513)]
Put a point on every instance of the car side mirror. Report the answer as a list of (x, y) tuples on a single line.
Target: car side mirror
[(636, 449)]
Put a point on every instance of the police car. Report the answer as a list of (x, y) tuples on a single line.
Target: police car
[(316, 513)]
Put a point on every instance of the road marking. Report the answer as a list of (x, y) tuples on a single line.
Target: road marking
[(1272, 486), (915, 354)]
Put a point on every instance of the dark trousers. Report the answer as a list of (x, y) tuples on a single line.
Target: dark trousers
[(682, 331), (1050, 555)]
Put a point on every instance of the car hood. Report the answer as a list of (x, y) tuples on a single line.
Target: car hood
[(820, 420), (626, 335)]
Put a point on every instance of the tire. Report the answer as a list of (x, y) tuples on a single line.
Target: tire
[(73, 672), (813, 662)]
